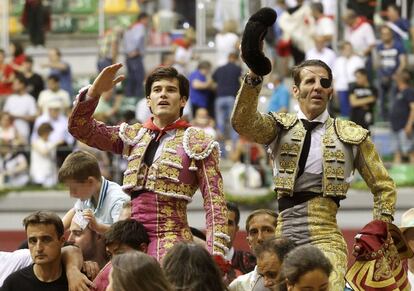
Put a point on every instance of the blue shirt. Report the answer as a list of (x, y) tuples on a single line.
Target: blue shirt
[(198, 97), (227, 78), (65, 77), (109, 205), (134, 39), (279, 99), (389, 58)]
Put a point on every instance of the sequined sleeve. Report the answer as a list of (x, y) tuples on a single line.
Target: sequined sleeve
[(247, 121), (211, 187), (90, 131), (371, 168)]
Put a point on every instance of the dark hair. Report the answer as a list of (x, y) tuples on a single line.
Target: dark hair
[(189, 267), (296, 70), (279, 246), (18, 48), (28, 59), (54, 77), (404, 76), (44, 128), (317, 6), (259, 212), (2, 51), (234, 208), (162, 73), (79, 166), (204, 65), (142, 15), (129, 232), (45, 217), (362, 71), (21, 79), (300, 261), (137, 271)]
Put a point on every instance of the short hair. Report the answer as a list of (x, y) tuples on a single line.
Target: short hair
[(162, 73), (190, 267), (45, 217), (142, 15), (302, 260), (279, 246), (21, 79), (18, 48), (129, 232), (404, 76), (137, 271), (317, 6), (54, 77), (259, 212), (29, 59), (231, 206), (45, 127), (79, 166), (362, 71), (296, 70), (204, 65)]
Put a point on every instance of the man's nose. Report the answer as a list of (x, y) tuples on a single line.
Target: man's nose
[(70, 238)]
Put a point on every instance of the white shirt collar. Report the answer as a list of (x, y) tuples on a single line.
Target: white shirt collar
[(323, 117), (230, 254)]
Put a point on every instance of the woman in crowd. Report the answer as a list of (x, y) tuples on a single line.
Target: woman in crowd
[(189, 267), (136, 271), (305, 268)]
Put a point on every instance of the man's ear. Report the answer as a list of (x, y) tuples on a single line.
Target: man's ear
[(62, 240), (183, 101), (295, 91), (143, 247)]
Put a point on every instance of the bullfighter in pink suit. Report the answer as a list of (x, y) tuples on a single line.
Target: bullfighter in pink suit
[(167, 159)]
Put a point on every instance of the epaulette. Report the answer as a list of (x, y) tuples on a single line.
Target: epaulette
[(131, 134), (350, 132), (287, 120), (198, 144)]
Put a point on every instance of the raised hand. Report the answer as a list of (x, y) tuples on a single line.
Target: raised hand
[(105, 81)]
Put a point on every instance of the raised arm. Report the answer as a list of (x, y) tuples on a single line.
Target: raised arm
[(81, 123), (247, 120), (372, 170)]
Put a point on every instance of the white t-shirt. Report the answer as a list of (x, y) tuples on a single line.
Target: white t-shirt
[(60, 129), (47, 96), (13, 261), (43, 168), (245, 282), (360, 38), (343, 71), (225, 44), (21, 105)]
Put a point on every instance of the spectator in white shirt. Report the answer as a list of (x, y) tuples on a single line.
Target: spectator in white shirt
[(321, 52), (53, 93), (22, 107), (324, 25)]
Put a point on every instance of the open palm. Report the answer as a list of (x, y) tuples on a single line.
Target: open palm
[(105, 81)]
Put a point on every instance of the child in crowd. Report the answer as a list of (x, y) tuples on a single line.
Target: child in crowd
[(8, 132), (362, 99), (204, 121), (99, 201), (13, 166), (43, 157)]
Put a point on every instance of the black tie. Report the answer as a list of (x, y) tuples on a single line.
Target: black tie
[(309, 126), (151, 150)]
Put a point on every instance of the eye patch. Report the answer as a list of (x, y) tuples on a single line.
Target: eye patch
[(325, 83)]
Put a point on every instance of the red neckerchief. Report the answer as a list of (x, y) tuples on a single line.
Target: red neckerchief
[(359, 21), (180, 123)]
